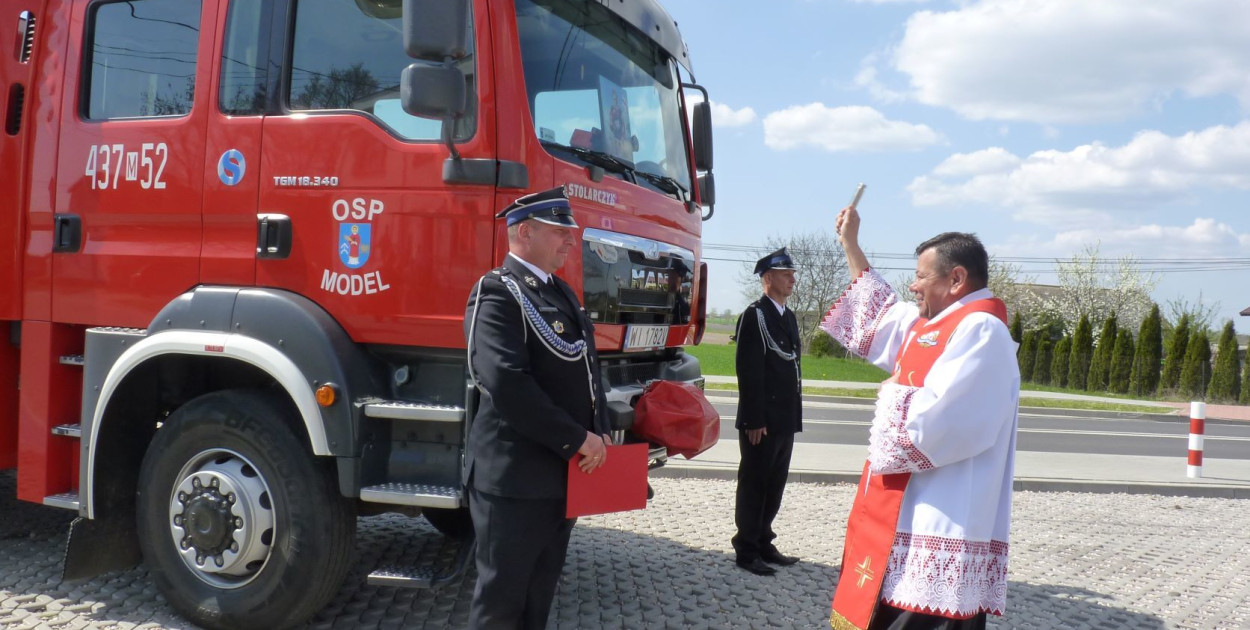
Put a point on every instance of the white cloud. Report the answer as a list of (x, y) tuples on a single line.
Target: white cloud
[(991, 160), (1067, 61), (1205, 237), (726, 116), (854, 128), (1077, 188)]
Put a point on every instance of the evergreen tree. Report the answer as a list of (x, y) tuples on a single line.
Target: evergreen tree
[(1225, 384), (1017, 329), (1059, 365), (1197, 369), (1175, 359), (1041, 363), (1245, 384), (1149, 355), (1100, 365), (1027, 355), (1121, 362), (1080, 355)]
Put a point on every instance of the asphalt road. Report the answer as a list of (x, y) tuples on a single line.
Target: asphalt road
[(826, 422)]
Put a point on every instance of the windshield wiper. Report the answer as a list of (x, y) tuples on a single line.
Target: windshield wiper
[(663, 182), (598, 158)]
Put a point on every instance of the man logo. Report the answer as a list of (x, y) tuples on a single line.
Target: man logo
[(231, 167)]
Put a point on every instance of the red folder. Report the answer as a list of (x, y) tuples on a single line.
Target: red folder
[(620, 484)]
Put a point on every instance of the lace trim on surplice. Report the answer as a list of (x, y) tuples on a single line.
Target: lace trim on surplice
[(946, 576), (890, 448), (853, 320)]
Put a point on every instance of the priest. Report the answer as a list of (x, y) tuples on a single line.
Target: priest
[(927, 538)]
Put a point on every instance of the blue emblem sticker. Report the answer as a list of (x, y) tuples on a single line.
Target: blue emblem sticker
[(354, 244), (231, 167)]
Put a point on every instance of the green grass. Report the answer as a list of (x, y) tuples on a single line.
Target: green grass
[(719, 360)]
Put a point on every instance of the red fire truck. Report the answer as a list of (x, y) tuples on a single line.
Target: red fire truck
[(238, 241)]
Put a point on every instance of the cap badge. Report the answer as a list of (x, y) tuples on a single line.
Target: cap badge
[(531, 282)]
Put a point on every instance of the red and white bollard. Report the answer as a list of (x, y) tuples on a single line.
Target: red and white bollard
[(1197, 426)]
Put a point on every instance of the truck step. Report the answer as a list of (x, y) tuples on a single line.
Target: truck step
[(426, 576), (401, 410), (423, 495), (67, 500), (68, 430), (72, 359)]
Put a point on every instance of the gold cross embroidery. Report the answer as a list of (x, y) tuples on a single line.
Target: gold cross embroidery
[(865, 571)]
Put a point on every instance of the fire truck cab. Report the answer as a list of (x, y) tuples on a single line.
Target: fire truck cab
[(239, 236)]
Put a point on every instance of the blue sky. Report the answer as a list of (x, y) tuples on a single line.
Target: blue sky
[(1044, 126)]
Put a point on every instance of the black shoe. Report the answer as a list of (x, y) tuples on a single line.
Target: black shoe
[(772, 556), (756, 566)]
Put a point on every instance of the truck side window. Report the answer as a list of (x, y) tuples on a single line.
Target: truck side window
[(243, 59), (141, 57), (348, 54)]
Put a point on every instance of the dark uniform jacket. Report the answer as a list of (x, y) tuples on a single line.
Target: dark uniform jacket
[(538, 398), (769, 394)]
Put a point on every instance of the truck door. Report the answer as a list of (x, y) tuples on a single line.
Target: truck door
[(128, 190), (379, 240)]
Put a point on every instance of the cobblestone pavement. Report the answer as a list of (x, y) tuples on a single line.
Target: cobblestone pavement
[(1104, 561)]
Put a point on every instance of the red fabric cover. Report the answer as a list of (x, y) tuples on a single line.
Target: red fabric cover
[(678, 416)]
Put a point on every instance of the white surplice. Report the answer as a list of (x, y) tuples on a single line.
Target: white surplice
[(956, 435)]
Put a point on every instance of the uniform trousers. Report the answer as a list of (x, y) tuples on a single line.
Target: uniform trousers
[(521, 545), (762, 474), (888, 617)]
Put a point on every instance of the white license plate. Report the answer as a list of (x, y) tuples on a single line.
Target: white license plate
[(645, 337)]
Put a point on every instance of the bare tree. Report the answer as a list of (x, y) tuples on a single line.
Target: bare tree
[(1097, 287), (1200, 315), (820, 279)]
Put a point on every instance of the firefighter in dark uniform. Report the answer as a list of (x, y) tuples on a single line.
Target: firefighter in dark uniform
[(531, 352), (770, 412)]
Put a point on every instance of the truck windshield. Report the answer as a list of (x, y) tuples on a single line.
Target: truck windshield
[(602, 93)]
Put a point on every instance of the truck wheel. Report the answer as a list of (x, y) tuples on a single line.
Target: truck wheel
[(240, 525), (452, 523)]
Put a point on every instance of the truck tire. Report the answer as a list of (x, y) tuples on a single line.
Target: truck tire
[(240, 525), (452, 523)]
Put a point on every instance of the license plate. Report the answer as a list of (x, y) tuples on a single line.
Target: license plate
[(645, 337)]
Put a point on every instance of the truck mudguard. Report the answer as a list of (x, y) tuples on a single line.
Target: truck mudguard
[(287, 336)]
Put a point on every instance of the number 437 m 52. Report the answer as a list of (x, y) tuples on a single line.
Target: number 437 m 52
[(105, 164)]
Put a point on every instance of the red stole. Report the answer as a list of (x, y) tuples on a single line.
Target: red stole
[(873, 522)]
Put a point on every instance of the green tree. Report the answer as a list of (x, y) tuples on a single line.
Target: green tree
[(1059, 366), (1082, 351), (1197, 369), (1175, 358), (1027, 355), (1148, 358), (1017, 328), (1245, 384), (1100, 366), (1041, 362), (1225, 381), (1121, 362)]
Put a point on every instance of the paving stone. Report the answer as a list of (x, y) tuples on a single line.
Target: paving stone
[(1097, 561)]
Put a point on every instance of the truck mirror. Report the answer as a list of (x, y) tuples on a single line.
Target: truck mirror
[(431, 91), (707, 190), (703, 136), (436, 30)]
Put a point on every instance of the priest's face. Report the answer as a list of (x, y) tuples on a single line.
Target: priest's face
[(934, 289)]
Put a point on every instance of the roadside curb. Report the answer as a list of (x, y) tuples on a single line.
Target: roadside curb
[(671, 471)]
